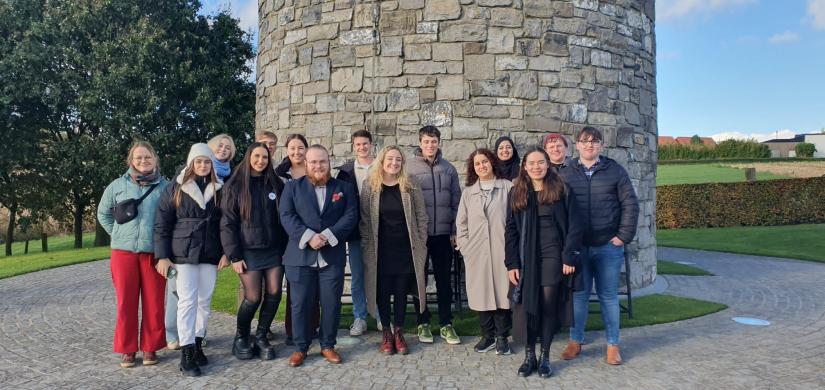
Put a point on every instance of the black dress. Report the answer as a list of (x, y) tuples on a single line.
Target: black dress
[(550, 246), (394, 249)]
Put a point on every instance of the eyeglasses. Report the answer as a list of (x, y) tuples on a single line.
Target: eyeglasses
[(593, 142)]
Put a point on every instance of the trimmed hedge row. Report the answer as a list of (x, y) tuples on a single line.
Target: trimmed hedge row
[(731, 148), (740, 160), (760, 203)]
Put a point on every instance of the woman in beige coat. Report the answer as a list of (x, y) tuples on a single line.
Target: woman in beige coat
[(394, 240), (480, 228)]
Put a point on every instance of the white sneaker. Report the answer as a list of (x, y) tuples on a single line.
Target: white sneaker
[(173, 346), (359, 326), (378, 325)]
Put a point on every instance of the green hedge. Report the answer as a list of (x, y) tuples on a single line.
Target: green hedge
[(761, 203), (739, 160), (731, 148)]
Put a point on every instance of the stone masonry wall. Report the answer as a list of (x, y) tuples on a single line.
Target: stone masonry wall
[(477, 69)]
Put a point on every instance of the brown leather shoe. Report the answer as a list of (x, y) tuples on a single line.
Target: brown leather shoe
[(297, 359), (150, 358), (400, 343), (127, 360), (387, 343), (572, 351), (331, 355), (613, 357)]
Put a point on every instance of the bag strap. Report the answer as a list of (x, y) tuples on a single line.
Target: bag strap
[(151, 188)]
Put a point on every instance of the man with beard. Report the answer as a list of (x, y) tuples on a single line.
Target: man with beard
[(318, 212)]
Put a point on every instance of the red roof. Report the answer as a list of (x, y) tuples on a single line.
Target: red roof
[(666, 140)]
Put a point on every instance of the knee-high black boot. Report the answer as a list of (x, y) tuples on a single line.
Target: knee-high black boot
[(268, 309), (241, 347)]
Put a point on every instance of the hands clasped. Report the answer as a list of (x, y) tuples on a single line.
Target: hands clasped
[(318, 241)]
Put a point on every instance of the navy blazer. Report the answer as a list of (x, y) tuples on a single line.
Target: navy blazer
[(299, 212)]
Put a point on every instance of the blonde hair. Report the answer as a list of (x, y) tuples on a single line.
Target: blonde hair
[(214, 141), (376, 178), (147, 146)]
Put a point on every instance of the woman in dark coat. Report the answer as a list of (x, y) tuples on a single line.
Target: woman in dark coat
[(187, 233), (542, 242), (254, 241), (507, 154)]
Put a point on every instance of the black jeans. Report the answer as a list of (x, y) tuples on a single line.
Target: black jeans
[(440, 252), (397, 286), (495, 323)]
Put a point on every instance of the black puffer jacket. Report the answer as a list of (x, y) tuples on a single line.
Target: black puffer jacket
[(190, 233), (606, 201), (263, 230)]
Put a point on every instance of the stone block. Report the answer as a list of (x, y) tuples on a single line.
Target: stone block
[(543, 116), (315, 88), (392, 46), (479, 67), (383, 66), (342, 56), (347, 80), (498, 87), (411, 4), (305, 55), (463, 32), (324, 31), (528, 47), (555, 44), (500, 40), (424, 67), (320, 69), (426, 95), (468, 128), (326, 103), (600, 58), (474, 48), (417, 52), (398, 23), (524, 85), (357, 37), (442, 10), (311, 15), (567, 95), (485, 111), (506, 17), (408, 118), (437, 114), (318, 125), (299, 75), (450, 87), (293, 36), (447, 52), (427, 28), (362, 16), (455, 67), (510, 62), (546, 63), (349, 118), (538, 8), (494, 3), (403, 99), (577, 113)]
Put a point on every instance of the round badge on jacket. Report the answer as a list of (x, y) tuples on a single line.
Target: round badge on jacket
[(271, 196)]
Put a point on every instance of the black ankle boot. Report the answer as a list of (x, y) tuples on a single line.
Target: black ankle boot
[(188, 365), (529, 366), (268, 309), (261, 343), (199, 356), (241, 347), (545, 371)]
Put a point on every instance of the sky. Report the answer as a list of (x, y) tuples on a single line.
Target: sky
[(725, 68)]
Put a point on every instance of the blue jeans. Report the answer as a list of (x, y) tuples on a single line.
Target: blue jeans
[(171, 317), (604, 265), (356, 267)]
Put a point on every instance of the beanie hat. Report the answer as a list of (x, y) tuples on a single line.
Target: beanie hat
[(199, 150)]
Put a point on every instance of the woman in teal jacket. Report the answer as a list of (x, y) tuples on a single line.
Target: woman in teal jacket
[(137, 277)]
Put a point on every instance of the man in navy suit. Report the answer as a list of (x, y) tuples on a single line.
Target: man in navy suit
[(318, 212)]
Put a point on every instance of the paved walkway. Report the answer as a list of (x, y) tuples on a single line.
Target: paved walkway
[(56, 330)]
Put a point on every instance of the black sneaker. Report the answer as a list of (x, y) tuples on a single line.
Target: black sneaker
[(485, 344), (502, 346)]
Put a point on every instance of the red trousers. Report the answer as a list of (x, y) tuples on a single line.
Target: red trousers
[(136, 281)]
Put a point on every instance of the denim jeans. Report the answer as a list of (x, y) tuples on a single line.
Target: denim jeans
[(171, 317), (604, 265), (356, 268)]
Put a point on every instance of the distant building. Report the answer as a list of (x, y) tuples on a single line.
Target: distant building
[(784, 147), (667, 140), (818, 139)]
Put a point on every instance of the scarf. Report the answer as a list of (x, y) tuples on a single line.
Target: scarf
[(141, 179), (530, 271), (509, 168), (222, 169)]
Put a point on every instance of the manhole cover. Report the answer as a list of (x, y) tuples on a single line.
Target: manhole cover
[(346, 340), (751, 321)]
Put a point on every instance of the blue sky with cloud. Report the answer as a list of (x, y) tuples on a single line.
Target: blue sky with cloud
[(726, 68)]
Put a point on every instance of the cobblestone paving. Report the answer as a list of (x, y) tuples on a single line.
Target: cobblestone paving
[(56, 329)]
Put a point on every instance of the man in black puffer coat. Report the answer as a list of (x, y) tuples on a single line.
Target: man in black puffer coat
[(607, 201)]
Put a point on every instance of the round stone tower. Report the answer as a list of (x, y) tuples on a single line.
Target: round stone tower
[(476, 69)]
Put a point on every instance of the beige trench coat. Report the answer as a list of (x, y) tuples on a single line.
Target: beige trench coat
[(415, 212), (480, 238)]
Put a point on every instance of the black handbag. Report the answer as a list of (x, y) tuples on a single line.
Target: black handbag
[(127, 210)]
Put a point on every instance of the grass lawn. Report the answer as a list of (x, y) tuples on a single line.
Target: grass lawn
[(56, 244), (794, 241), (23, 264), (671, 268), (648, 310), (705, 173)]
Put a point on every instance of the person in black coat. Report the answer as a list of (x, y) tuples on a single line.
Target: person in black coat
[(508, 158), (542, 241), (254, 241), (187, 233)]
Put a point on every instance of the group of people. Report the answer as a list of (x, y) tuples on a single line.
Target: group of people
[(535, 232)]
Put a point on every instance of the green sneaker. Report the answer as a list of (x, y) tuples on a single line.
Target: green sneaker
[(425, 335), (449, 335)]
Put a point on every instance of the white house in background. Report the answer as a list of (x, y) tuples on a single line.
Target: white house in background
[(819, 141)]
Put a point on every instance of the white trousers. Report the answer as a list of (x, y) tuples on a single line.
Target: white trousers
[(195, 285)]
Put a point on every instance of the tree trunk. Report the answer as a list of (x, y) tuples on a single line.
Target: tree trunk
[(26, 247), (44, 242), (101, 237), (79, 206), (10, 228)]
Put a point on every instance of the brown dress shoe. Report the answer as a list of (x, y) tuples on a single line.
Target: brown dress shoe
[(387, 342), (400, 343), (150, 358), (297, 359), (613, 357), (127, 360), (331, 355), (572, 351)]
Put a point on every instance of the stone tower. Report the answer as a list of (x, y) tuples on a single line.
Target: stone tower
[(477, 69)]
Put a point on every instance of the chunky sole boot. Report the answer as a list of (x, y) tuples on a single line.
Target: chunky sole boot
[(528, 367), (545, 371), (242, 349), (200, 357), (188, 365), (261, 345), (387, 342), (400, 343)]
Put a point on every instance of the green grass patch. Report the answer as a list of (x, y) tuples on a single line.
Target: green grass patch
[(56, 244), (705, 173), (671, 268), (23, 264), (802, 242)]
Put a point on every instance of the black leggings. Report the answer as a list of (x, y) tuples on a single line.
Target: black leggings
[(254, 282), (399, 286), (548, 322)]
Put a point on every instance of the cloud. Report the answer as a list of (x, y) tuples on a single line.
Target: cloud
[(679, 9), (785, 133), (783, 37), (816, 11)]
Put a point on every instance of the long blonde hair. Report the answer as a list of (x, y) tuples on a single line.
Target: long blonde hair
[(376, 178)]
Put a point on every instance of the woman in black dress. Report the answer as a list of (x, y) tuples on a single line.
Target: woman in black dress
[(254, 241), (542, 242)]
